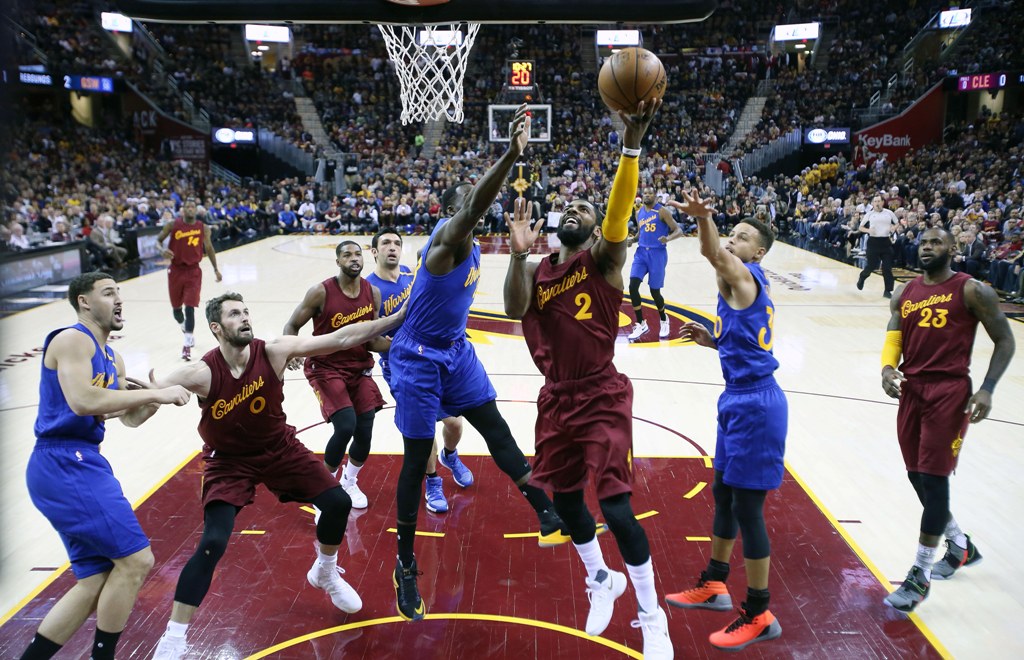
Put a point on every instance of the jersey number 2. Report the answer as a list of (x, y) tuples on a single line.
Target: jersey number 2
[(583, 300)]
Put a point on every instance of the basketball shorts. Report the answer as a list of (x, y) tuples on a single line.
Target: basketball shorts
[(385, 368), (585, 427), (650, 263), (184, 284), (752, 423), (430, 382), (289, 470), (337, 390), (931, 423), (72, 484)]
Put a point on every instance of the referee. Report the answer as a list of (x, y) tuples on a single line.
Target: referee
[(879, 223)]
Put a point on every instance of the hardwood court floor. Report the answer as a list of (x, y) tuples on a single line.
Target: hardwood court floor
[(841, 454)]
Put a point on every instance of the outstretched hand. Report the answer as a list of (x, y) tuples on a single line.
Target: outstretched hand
[(637, 124), (698, 334), (520, 130), (521, 233), (693, 206)]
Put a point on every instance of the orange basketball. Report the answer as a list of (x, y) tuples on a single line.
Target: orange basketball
[(630, 76)]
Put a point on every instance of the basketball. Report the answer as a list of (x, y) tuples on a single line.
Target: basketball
[(630, 76)]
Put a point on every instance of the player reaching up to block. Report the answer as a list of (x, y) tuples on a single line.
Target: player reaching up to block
[(752, 419), (569, 305)]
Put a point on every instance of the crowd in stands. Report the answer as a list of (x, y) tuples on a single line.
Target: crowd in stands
[(64, 182)]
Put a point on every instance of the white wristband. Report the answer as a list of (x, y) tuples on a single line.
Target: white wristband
[(626, 151)]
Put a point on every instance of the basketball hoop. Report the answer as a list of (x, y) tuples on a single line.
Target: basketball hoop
[(431, 63)]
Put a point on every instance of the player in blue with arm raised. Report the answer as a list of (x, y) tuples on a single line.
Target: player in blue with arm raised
[(435, 368), (752, 420)]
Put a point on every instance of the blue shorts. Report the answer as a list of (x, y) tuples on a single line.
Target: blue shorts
[(752, 421), (73, 486), (650, 263), (430, 383), (385, 368)]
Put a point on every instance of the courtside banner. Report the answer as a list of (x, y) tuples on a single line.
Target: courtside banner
[(919, 125)]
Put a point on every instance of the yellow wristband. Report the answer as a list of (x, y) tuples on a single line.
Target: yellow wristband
[(892, 348)]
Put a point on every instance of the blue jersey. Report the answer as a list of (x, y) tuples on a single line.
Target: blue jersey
[(55, 420), (745, 336), (392, 294), (650, 227), (439, 304)]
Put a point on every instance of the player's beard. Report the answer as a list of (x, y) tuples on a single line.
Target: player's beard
[(574, 237), (936, 265), (237, 340)]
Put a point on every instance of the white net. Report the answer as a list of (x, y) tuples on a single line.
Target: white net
[(430, 62)]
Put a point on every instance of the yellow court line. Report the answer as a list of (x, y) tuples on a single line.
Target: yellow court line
[(255, 532), (628, 652), (641, 516), (921, 625), (308, 509), (698, 538), (707, 462), (66, 565), (696, 489), (524, 535), (436, 535)]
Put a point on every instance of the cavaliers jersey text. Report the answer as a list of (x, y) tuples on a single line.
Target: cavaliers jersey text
[(243, 416), (187, 243), (938, 329), (571, 325), (339, 310)]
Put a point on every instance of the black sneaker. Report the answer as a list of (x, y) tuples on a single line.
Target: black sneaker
[(552, 530), (407, 594), (956, 557), (912, 592)]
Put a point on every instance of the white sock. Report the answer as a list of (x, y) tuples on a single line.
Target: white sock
[(925, 559), (955, 534), (642, 577), (176, 629), (326, 559), (188, 336), (351, 471), (593, 558)]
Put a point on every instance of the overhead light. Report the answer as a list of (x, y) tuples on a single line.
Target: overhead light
[(262, 47), (255, 53), (801, 46)]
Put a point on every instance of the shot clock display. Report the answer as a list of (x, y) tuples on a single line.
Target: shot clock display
[(521, 75)]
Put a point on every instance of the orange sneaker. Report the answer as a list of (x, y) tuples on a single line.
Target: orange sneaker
[(707, 595), (745, 631)]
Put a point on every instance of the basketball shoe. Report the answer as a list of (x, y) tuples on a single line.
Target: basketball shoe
[(327, 576), (955, 558), (602, 593), (186, 352), (639, 330), (746, 630), (407, 594), (707, 595), (436, 502), (911, 593), (665, 329), (351, 486), (462, 474), (170, 647), (657, 644)]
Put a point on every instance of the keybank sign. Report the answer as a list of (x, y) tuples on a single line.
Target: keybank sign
[(829, 135)]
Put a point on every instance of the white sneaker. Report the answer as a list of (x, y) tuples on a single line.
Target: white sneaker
[(665, 329), (639, 330), (657, 645), (170, 648), (359, 500), (602, 595), (328, 577)]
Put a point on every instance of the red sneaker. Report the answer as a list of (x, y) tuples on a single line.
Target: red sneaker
[(745, 631), (707, 595), (186, 353)]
